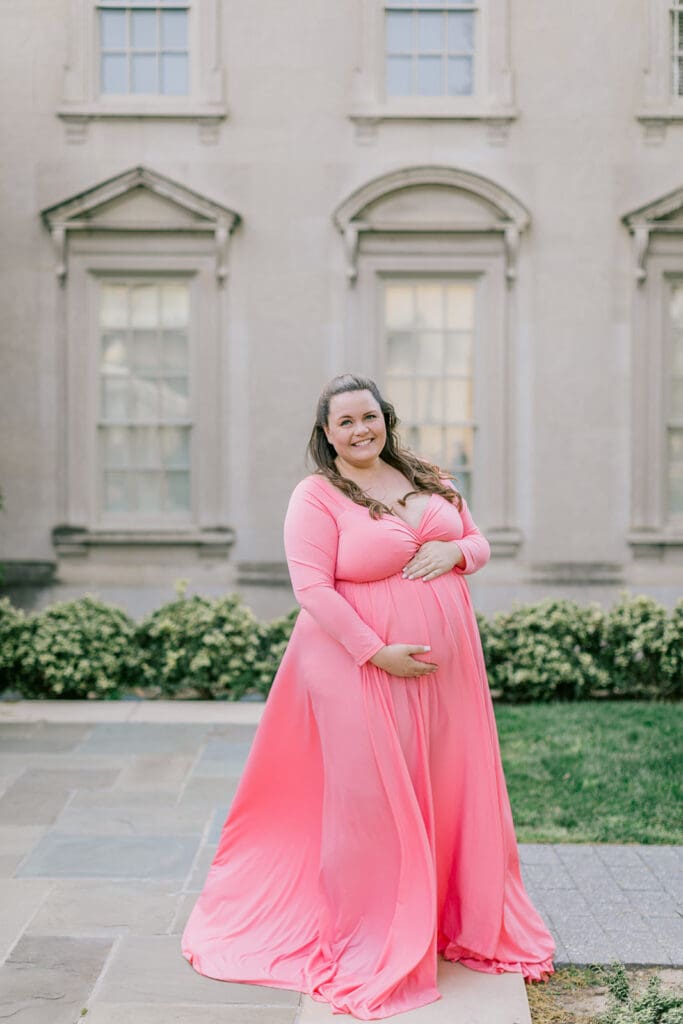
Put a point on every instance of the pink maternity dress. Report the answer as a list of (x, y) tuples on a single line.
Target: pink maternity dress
[(371, 829)]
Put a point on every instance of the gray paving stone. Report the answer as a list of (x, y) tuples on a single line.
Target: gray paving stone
[(154, 772), (218, 820), (562, 901), (153, 970), (143, 1013), (232, 731), (37, 797), (118, 814), (548, 876), (222, 757), (663, 861), (655, 904), (538, 853), (619, 855), (211, 792), (201, 868), (637, 878), (143, 738), (69, 856), (19, 899), (87, 907), (669, 932), (41, 736), (47, 979), (183, 911)]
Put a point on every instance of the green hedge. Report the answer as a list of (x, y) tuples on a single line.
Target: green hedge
[(194, 647)]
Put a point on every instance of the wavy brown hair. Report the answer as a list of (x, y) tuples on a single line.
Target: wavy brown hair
[(423, 475)]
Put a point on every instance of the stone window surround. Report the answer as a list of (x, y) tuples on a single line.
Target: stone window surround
[(658, 107), (83, 103), (492, 104), (488, 253), (87, 252), (657, 258)]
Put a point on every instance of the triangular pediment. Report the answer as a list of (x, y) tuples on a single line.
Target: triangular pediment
[(667, 212), (140, 199)]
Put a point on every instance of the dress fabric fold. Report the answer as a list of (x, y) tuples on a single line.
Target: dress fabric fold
[(371, 829)]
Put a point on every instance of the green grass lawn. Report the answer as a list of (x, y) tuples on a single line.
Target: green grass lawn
[(594, 771)]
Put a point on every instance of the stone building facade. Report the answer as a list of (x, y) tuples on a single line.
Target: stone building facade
[(210, 208)]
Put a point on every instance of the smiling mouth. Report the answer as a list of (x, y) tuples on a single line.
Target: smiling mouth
[(364, 443)]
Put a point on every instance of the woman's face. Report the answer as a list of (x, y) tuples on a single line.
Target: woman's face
[(355, 427)]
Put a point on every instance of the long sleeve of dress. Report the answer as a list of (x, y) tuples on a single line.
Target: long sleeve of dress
[(473, 544), (311, 535)]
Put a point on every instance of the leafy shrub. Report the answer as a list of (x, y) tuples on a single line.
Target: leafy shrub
[(74, 649), (545, 651), (671, 666), (636, 647), (653, 1006), (273, 637), (198, 648), (12, 623)]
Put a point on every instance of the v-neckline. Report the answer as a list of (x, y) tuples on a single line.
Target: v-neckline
[(391, 515)]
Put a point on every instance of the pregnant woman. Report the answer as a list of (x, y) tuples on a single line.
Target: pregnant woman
[(371, 830)]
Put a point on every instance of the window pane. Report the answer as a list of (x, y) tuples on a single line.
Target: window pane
[(430, 353), (429, 300), (145, 447), (400, 394), (676, 445), (113, 30), (399, 31), (114, 73), (144, 399), (459, 446), (115, 358), (144, 306), (114, 305), (174, 398), (676, 488), (148, 491), (114, 399), (174, 30), (677, 353), (429, 76), (458, 400), (115, 492), (175, 446), (174, 74), (460, 32), (401, 354), (399, 76), (175, 305), (399, 306), (460, 305), (144, 73), (143, 30), (145, 350), (677, 398), (458, 354), (428, 444), (174, 350), (430, 28), (676, 306), (429, 401), (178, 491), (460, 78), (115, 447)]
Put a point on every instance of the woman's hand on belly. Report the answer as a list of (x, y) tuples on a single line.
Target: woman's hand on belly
[(397, 660), (432, 559)]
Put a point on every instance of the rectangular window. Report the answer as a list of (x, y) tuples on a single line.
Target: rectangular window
[(429, 48), (674, 425), (429, 359), (677, 47), (144, 47), (144, 398)]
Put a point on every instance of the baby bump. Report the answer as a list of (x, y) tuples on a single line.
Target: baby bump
[(412, 611)]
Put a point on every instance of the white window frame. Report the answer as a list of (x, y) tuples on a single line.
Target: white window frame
[(192, 244), (83, 102), (657, 247), (492, 100), (659, 106)]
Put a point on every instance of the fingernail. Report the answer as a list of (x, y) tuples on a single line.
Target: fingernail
[(426, 648)]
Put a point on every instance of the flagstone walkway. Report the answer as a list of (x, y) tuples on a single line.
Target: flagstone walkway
[(110, 813)]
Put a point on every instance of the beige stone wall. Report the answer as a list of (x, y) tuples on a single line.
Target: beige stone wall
[(573, 152)]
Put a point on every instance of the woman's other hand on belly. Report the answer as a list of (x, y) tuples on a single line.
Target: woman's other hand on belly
[(398, 660)]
